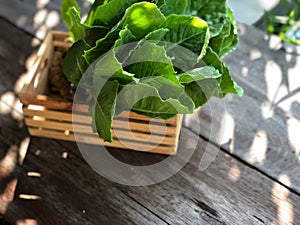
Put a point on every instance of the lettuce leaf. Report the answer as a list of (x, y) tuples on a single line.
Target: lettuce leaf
[(104, 109), (130, 48)]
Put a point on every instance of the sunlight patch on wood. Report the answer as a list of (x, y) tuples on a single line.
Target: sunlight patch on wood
[(29, 197), (7, 195), (27, 222), (38, 118), (274, 76), (228, 127), (255, 54), (36, 107), (41, 32), (35, 42), (258, 150), (234, 173), (274, 42), (17, 112), (293, 134), (280, 196), (23, 149), (64, 155), (6, 102), (41, 3), (20, 82), (267, 110), (8, 163), (245, 71), (39, 18), (37, 152), (33, 174), (52, 19)]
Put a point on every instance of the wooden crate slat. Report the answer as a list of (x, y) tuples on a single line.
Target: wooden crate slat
[(86, 129), (136, 116), (117, 123), (61, 44), (169, 150), (59, 36)]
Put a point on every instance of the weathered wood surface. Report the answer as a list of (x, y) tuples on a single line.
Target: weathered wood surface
[(68, 191), (36, 16), (262, 127), (65, 190)]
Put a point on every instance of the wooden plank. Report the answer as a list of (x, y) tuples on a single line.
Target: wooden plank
[(14, 53), (263, 126), (36, 17), (228, 192), (45, 199), (17, 187)]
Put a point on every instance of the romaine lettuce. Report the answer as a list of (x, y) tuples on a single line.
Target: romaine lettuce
[(133, 80)]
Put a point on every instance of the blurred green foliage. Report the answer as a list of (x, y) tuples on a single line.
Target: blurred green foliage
[(286, 24)]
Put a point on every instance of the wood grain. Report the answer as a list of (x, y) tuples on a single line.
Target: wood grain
[(260, 66), (68, 191), (262, 127), (37, 17), (228, 192)]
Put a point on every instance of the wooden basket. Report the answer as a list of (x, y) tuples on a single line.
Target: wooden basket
[(51, 117)]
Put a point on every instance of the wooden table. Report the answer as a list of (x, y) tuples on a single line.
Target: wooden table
[(255, 178)]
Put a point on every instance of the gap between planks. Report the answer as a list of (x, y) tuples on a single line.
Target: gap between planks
[(242, 161)]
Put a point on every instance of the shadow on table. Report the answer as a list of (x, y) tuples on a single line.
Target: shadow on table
[(261, 124), (262, 127)]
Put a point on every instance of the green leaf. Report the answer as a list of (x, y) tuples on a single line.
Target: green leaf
[(125, 37), (187, 31), (134, 49), (91, 16), (74, 62), (139, 19), (149, 59), (156, 35), (230, 42), (109, 14), (215, 13), (153, 37), (109, 68), (199, 74), (202, 90), (174, 7), (160, 3), (104, 109), (226, 41), (227, 85), (201, 84), (102, 46), (167, 86), (143, 18), (195, 5), (65, 6), (143, 98), (94, 34), (72, 18)]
